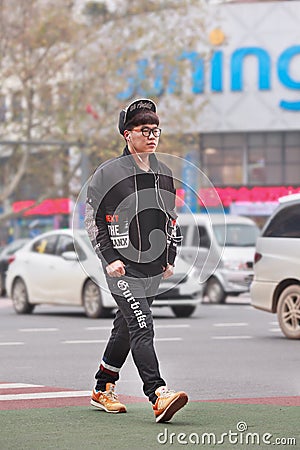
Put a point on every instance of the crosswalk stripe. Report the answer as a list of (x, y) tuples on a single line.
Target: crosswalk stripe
[(18, 385), (40, 395)]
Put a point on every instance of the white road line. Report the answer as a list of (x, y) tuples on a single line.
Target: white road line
[(11, 343), (275, 324), (156, 327), (275, 330), (98, 328), (168, 339), (101, 341), (39, 395), (232, 324), (18, 385), (231, 337), (172, 326), (37, 329)]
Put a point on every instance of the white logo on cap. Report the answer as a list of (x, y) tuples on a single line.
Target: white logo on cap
[(141, 105)]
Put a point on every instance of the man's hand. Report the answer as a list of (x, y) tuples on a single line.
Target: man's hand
[(116, 268), (168, 272)]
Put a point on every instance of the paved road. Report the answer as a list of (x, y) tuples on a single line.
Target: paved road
[(223, 351), (228, 353)]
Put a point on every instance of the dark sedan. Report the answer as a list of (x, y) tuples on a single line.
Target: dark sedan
[(7, 256)]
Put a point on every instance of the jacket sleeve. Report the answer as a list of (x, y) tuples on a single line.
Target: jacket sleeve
[(95, 222)]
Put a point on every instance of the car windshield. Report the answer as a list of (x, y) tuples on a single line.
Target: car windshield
[(237, 235)]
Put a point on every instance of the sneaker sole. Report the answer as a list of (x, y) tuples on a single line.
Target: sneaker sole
[(102, 407), (173, 407)]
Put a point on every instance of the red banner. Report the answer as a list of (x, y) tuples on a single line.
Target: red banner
[(48, 207)]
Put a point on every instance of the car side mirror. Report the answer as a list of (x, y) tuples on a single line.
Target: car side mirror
[(69, 256)]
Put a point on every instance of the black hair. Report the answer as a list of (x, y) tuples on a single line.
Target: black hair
[(144, 117)]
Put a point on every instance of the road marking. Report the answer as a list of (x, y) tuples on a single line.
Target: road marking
[(37, 329), (38, 395), (173, 326), (101, 341), (168, 339), (18, 385), (275, 324), (231, 324), (275, 330), (231, 337), (98, 328), (11, 343), (156, 326)]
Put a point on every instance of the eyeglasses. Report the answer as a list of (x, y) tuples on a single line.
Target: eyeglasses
[(147, 131)]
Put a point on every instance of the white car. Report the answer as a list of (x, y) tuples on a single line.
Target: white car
[(276, 284), (221, 248), (61, 268)]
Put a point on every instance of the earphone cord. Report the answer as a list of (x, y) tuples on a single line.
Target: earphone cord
[(177, 239)]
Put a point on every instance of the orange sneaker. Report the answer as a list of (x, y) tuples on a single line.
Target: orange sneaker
[(168, 403), (107, 400)]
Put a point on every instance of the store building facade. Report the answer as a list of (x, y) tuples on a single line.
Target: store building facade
[(247, 84), (246, 81), (250, 128)]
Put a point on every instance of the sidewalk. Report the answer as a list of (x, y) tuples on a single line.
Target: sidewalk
[(199, 424)]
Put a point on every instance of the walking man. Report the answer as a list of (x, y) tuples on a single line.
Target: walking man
[(131, 221)]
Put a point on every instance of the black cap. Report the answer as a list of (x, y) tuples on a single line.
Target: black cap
[(134, 108)]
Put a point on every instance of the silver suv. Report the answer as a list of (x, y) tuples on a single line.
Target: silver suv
[(276, 284)]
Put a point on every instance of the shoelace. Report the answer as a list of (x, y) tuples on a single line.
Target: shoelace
[(167, 393), (111, 395)]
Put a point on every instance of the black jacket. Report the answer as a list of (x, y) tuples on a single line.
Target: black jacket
[(112, 203)]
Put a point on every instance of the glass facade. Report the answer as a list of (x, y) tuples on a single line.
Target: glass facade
[(264, 159)]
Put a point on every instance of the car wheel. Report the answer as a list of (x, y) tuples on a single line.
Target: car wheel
[(183, 311), (20, 298), (92, 301), (288, 311), (214, 291)]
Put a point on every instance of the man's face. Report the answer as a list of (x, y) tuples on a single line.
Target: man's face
[(144, 138)]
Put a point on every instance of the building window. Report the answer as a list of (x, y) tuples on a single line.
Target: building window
[(265, 158), (292, 158), (251, 158), (222, 158)]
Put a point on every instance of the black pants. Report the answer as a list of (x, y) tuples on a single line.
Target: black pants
[(132, 330)]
